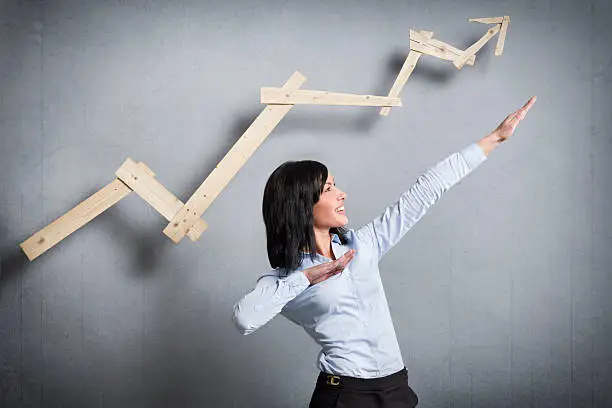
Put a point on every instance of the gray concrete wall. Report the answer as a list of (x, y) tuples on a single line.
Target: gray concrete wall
[(500, 295)]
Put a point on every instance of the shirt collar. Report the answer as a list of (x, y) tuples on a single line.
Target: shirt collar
[(336, 238)]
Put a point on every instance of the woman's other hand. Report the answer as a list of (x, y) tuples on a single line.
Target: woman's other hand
[(319, 273)]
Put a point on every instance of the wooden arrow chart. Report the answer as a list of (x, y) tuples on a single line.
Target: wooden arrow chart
[(422, 42), (185, 218)]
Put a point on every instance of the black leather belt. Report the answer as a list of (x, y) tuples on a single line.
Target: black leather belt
[(342, 381)]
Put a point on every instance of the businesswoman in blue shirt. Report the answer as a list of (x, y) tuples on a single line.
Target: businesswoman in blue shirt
[(326, 277)]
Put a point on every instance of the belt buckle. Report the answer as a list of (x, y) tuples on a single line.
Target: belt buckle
[(332, 380)]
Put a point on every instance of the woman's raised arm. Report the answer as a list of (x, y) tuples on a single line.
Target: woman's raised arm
[(386, 230)]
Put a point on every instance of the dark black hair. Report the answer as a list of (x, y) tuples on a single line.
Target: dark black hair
[(289, 198)]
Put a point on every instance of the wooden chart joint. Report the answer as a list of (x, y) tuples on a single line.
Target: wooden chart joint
[(462, 59), (131, 176), (153, 192), (404, 74), (504, 21), (499, 48), (235, 158), (435, 48)]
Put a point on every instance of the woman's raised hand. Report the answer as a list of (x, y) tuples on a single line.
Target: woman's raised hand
[(506, 128), (319, 273)]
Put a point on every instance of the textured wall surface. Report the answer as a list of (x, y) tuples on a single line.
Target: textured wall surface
[(500, 295)]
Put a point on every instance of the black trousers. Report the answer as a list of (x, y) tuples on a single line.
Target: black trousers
[(392, 391)]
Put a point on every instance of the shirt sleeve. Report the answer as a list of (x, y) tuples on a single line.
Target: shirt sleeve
[(266, 300), (387, 229)]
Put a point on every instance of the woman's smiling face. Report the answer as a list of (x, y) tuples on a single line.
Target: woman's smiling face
[(329, 210)]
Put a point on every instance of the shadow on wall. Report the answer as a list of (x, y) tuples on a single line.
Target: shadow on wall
[(146, 246), (13, 262), (12, 259)]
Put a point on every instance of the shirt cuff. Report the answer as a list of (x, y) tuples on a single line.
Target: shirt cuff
[(297, 281), (473, 155)]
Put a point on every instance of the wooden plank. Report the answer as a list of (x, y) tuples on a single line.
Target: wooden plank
[(435, 48), (441, 52), (449, 48), (499, 48), (235, 158), (487, 20), (425, 48), (419, 36), (74, 219), (404, 74), (146, 169), (305, 97), (461, 60), (136, 176), (200, 226)]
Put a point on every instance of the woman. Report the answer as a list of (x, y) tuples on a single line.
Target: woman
[(343, 307)]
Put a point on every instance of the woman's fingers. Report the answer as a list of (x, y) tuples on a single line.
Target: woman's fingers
[(508, 125), (509, 119), (340, 263), (347, 257), (520, 114), (324, 271), (530, 103)]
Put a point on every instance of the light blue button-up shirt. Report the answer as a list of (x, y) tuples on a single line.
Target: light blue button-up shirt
[(347, 314)]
